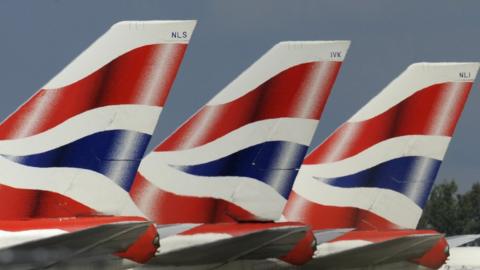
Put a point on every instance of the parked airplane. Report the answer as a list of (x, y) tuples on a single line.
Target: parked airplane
[(236, 158), (87, 128), (375, 172)]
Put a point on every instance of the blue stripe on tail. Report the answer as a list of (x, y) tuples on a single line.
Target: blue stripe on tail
[(115, 154), (275, 163), (411, 176)]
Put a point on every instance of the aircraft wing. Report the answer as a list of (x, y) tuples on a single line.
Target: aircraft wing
[(390, 251), (460, 240), (268, 243), (72, 248)]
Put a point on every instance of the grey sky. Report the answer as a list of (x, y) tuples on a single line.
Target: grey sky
[(38, 38)]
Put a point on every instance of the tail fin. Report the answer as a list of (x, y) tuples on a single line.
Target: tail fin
[(91, 123), (238, 155), (377, 169)]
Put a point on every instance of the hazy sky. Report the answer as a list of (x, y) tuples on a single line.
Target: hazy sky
[(38, 38)]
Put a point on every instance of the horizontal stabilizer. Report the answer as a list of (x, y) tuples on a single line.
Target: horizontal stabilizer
[(71, 248), (390, 251), (270, 243)]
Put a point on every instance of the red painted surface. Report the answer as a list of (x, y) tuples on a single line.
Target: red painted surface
[(280, 96), (413, 116), (122, 81)]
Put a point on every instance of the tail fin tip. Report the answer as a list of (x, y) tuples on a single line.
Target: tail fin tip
[(156, 25), (333, 50), (121, 38), (461, 71)]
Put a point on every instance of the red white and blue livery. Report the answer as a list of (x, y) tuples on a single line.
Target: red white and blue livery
[(75, 146), (375, 172), (377, 169), (237, 157)]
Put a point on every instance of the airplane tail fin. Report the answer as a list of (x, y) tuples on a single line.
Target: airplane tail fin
[(377, 169), (91, 121), (237, 157)]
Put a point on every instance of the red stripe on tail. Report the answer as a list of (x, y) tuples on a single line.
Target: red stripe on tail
[(281, 96), (415, 115), (125, 80)]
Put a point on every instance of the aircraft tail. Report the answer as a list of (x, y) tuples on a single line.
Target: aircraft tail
[(376, 170), (237, 157), (90, 124)]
